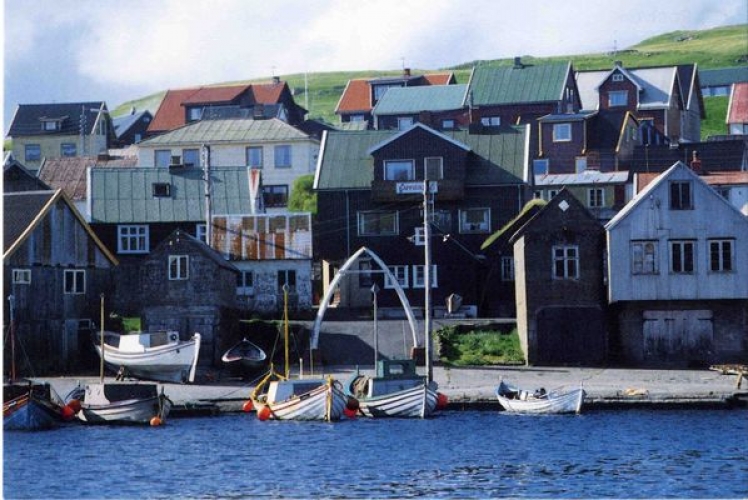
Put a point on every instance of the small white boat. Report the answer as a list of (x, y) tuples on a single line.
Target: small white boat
[(396, 391), (517, 400), (245, 355), (301, 399), (159, 355), (124, 403)]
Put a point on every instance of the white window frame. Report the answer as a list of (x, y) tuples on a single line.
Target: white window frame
[(561, 132), (565, 260), (449, 124), (418, 237), (433, 163), (724, 253), (617, 77), (179, 267), (681, 200), (618, 98), (596, 197), (21, 276), (467, 227), (74, 282), (580, 164), (364, 229), (419, 276), (401, 275), (242, 288), (404, 122), (133, 239), (490, 121), (645, 257), (201, 232), (393, 170), (679, 249)]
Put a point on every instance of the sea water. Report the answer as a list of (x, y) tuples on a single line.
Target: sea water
[(472, 454)]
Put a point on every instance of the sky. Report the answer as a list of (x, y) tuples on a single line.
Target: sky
[(116, 51)]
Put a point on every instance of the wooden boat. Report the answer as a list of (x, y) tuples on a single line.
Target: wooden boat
[(301, 399), (244, 355), (159, 355), (516, 400), (396, 391), (124, 403), (30, 407)]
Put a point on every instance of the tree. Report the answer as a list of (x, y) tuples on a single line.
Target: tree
[(302, 198)]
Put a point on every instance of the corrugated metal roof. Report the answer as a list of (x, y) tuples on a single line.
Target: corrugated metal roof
[(723, 76), (416, 99), (657, 85), (737, 110), (125, 195), (509, 84), (218, 131), (344, 162), (586, 177)]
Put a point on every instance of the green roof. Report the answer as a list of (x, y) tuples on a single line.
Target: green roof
[(424, 98), (498, 158), (218, 131), (511, 85), (125, 195)]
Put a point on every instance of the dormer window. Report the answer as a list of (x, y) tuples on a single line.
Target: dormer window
[(194, 113), (618, 98), (51, 125), (491, 121), (618, 77)]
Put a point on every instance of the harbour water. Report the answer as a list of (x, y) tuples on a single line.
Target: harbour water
[(636, 453)]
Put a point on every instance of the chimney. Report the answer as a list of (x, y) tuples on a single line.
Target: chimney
[(518, 63), (132, 110), (276, 80), (406, 72), (696, 162), (618, 64)]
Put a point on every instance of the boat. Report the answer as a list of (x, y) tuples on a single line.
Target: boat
[(396, 391), (30, 406), (516, 400), (123, 403), (158, 355), (244, 355)]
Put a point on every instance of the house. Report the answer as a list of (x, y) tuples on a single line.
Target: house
[(135, 209), (440, 107), (58, 130), (56, 269), (189, 288), (16, 177), (71, 175), (717, 82), (602, 193), (279, 152), (260, 101), (737, 110), (362, 94), (723, 153), (131, 128), (560, 286), (678, 280), (369, 193)]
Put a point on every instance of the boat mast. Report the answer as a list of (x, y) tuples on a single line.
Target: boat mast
[(12, 304), (285, 323), (101, 366), (427, 282)]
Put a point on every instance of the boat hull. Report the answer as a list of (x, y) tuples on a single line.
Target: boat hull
[(138, 410), (29, 407), (167, 363), (416, 402), (325, 402), (553, 403)]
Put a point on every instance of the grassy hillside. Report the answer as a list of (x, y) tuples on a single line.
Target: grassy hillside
[(714, 48)]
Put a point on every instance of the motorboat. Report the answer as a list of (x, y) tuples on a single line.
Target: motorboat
[(159, 355), (539, 401)]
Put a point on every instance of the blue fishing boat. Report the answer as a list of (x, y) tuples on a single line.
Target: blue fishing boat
[(30, 406)]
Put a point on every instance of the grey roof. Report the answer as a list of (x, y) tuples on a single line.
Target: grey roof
[(577, 117), (27, 120), (723, 76), (19, 211), (123, 123), (125, 195), (221, 131), (582, 178), (424, 98), (657, 85)]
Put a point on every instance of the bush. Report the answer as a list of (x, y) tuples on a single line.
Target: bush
[(478, 347)]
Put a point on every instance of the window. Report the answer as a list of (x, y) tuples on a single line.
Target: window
[(201, 232), (179, 267), (162, 158), (680, 195), (194, 113), (596, 197), (275, 196), (132, 239), (540, 167), (720, 255), (442, 219), (365, 279), (580, 164), (33, 152), (682, 257), (67, 149), (418, 238), (282, 156), (561, 132), (404, 122), (254, 156), (161, 189), (401, 275), (21, 276), (377, 223), (490, 121), (448, 124), (550, 194), (644, 257), (618, 98), (191, 157), (75, 281), (618, 77), (50, 125), (475, 220), (245, 283), (507, 268), (287, 277), (419, 276), (379, 90), (724, 192), (433, 168), (356, 118), (399, 170), (565, 262)]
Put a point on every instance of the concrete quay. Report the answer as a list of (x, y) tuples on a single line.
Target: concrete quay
[(470, 388)]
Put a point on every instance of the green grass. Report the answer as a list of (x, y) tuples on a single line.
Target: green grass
[(716, 113), (478, 347), (131, 324)]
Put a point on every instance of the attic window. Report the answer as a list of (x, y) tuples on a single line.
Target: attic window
[(50, 125), (161, 189), (618, 77)]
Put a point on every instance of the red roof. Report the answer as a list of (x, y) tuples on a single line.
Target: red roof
[(211, 95), (724, 178), (738, 111)]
